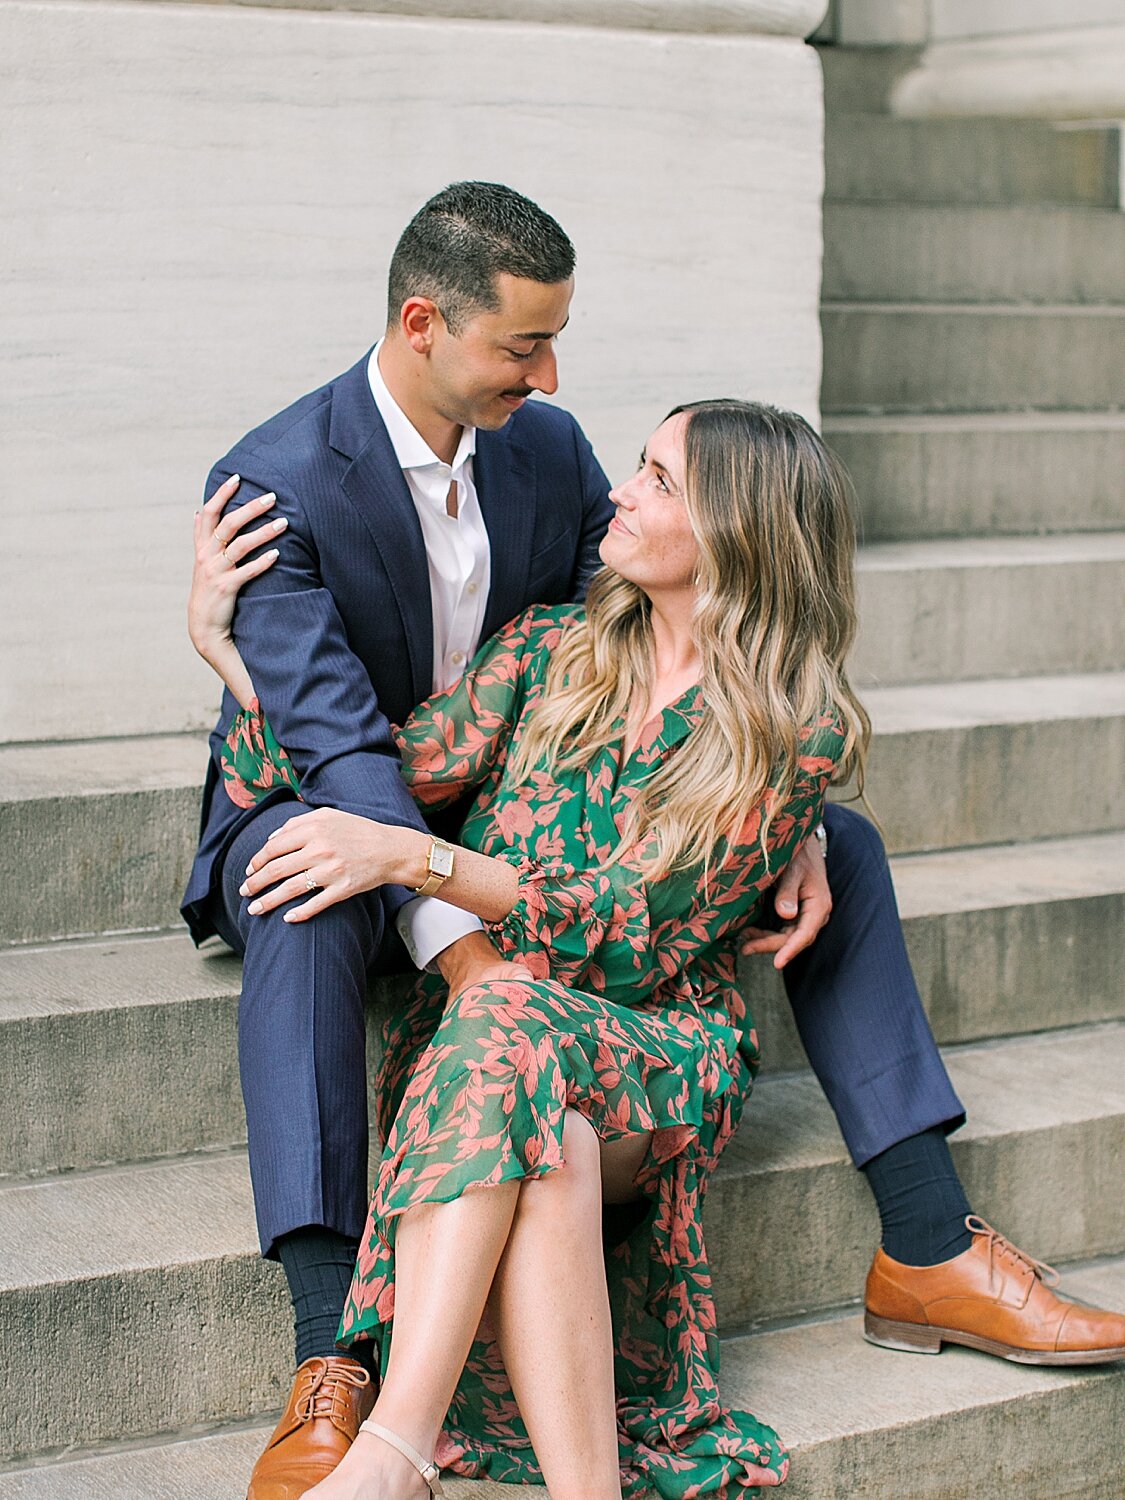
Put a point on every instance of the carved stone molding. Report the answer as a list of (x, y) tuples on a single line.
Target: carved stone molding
[(730, 17)]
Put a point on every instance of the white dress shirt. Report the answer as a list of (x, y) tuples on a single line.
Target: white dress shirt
[(459, 561)]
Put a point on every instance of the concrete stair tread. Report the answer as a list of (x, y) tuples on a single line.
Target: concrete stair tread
[(974, 421), (920, 474), (1078, 310), (993, 552), (83, 975), (925, 252), (947, 705), (193, 1208), (878, 158), (95, 767), (818, 1382), (1013, 1086), (81, 1225), (971, 356), (954, 609), (1009, 874)]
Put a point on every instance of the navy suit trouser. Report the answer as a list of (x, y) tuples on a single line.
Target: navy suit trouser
[(302, 1033), (857, 1006), (302, 1046)]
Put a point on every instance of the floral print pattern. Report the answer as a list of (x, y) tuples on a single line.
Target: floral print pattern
[(633, 1018)]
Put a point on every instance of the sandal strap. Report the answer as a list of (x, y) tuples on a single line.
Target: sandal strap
[(426, 1467)]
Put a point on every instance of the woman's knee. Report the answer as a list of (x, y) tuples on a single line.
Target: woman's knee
[(580, 1176)]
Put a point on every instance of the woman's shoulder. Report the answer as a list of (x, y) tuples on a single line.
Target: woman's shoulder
[(540, 626)]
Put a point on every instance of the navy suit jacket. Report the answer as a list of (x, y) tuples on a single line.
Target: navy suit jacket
[(338, 634)]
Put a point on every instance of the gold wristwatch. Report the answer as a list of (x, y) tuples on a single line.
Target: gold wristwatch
[(439, 867)]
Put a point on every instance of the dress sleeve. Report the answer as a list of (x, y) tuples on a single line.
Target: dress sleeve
[(751, 865), (449, 744)]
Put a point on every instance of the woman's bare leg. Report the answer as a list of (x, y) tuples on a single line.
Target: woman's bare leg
[(445, 1260), (550, 1306)]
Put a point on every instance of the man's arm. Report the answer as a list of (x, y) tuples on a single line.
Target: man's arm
[(803, 902), (319, 697)]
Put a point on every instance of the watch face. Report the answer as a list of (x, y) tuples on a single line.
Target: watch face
[(441, 859)]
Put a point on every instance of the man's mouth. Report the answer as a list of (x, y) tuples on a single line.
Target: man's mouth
[(515, 398)]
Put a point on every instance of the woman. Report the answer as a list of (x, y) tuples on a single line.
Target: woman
[(644, 767)]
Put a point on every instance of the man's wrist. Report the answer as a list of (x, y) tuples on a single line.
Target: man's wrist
[(462, 958)]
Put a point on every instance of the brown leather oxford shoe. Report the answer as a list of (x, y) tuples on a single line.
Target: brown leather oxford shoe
[(329, 1399), (991, 1297)]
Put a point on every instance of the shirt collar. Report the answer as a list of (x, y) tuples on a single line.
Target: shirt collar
[(411, 449)]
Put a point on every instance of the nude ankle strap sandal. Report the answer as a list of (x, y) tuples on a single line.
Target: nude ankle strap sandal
[(428, 1470)]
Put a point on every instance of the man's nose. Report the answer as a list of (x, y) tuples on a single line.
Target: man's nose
[(544, 373)]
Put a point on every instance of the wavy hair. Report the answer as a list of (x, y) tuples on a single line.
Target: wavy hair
[(774, 620)]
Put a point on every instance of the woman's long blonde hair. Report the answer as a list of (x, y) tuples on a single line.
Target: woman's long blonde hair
[(774, 621)]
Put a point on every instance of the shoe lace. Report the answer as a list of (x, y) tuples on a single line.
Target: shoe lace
[(318, 1399), (1000, 1247)]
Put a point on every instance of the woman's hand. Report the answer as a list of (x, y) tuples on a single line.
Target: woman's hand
[(219, 547), (217, 577), (330, 855)]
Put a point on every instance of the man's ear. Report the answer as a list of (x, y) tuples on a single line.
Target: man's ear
[(419, 321)]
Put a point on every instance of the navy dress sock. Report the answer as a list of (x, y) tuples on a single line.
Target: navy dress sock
[(318, 1265), (920, 1199)]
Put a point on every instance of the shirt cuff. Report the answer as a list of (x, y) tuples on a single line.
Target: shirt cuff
[(428, 925)]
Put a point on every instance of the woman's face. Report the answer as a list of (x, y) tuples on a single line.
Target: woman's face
[(650, 541)]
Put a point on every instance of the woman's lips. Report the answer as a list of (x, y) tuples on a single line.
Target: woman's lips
[(620, 526)]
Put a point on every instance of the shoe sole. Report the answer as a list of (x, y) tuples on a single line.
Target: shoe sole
[(917, 1338)]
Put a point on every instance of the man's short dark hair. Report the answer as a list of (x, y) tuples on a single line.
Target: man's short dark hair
[(458, 243)]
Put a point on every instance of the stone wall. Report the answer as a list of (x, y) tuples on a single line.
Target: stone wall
[(197, 209)]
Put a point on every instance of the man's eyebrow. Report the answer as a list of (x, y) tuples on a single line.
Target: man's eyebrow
[(536, 338)]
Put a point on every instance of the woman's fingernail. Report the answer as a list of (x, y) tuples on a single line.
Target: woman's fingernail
[(281, 524), (273, 552), (254, 908), (244, 888), (274, 834), (250, 867), (267, 499)]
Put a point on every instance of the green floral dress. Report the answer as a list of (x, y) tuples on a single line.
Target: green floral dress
[(634, 1019)]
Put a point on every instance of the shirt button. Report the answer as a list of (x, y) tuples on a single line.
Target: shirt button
[(457, 658), (472, 588)]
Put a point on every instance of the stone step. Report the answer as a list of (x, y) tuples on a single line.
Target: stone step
[(950, 610), (151, 1271), (97, 836), (121, 1050), (1003, 939), (962, 357), (858, 1421), (921, 476), (875, 158), (996, 761), (900, 252)]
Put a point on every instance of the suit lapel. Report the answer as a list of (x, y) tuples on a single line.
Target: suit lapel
[(505, 476), (375, 485)]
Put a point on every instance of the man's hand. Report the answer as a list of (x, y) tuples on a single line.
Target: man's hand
[(803, 902), (474, 959)]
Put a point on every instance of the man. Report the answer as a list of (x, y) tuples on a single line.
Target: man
[(426, 503)]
